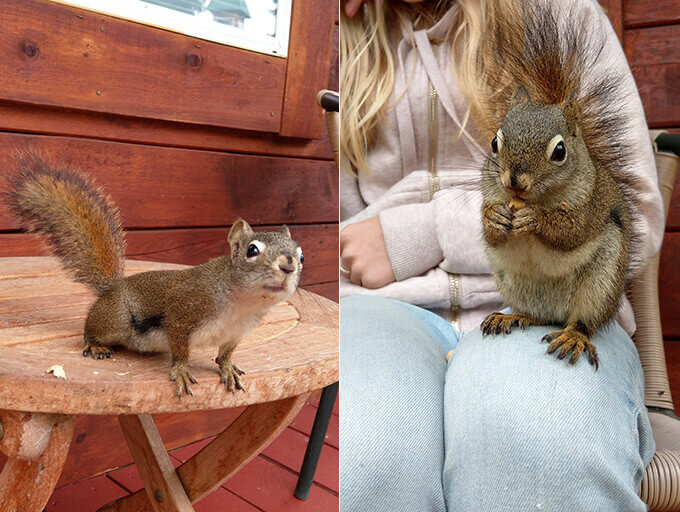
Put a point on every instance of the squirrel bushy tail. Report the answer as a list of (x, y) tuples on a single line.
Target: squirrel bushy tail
[(552, 49), (75, 216)]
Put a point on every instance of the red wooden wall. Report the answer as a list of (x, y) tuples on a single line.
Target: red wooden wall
[(186, 135), (650, 31)]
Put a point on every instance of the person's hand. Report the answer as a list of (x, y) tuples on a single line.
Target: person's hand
[(363, 256)]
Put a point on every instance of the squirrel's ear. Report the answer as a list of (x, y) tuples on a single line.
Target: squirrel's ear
[(571, 113), (519, 96), (239, 229), (284, 230)]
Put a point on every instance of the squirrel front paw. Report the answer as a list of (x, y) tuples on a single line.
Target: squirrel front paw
[(230, 374), (499, 323), (181, 375), (497, 220), (571, 340), (524, 221)]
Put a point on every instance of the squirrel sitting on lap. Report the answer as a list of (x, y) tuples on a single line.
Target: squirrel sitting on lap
[(213, 304), (557, 209)]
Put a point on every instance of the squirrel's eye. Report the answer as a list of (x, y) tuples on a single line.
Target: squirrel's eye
[(252, 251), (302, 259), (494, 145), (559, 153)]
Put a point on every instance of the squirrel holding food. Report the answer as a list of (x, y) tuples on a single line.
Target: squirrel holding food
[(213, 304), (556, 210)]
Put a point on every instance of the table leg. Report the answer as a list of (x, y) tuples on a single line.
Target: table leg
[(316, 440), (237, 445), (36, 445), (163, 488)]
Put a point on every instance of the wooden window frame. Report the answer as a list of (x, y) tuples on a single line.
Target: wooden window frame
[(73, 59)]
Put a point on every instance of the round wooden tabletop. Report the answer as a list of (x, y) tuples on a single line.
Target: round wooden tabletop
[(293, 350)]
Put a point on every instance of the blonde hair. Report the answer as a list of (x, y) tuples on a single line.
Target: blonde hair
[(367, 69)]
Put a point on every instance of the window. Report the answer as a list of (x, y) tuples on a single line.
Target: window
[(259, 25)]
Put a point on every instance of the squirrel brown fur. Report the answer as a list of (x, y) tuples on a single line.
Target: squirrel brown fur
[(560, 153), (213, 304)]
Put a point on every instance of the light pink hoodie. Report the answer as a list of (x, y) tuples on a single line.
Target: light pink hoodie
[(430, 214)]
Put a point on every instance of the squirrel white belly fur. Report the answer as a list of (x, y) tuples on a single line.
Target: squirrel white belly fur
[(213, 304)]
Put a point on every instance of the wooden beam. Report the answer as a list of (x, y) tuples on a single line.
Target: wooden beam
[(651, 12), (240, 442), (91, 452), (614, 10), (162, 486), (39, 119), (309, 56), (169, 187), (654, 57), (669, 286), (26, 484)]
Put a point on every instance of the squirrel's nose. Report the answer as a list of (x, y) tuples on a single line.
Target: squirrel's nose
[(516, 189), (518, 184), (286, 268)]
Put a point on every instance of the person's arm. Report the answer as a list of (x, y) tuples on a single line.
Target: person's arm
[(446, 231), (351, 202), (432, 290), (410, 236), (409, 239)]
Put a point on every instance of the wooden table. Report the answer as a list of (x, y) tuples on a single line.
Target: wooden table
[(292, 352)]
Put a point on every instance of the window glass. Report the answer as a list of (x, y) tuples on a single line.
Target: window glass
[(258, 25)]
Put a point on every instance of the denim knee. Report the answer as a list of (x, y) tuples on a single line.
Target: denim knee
[(388, 321), (391, 393), (525, 431)]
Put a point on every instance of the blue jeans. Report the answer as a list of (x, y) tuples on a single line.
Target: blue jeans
[(502, 426)]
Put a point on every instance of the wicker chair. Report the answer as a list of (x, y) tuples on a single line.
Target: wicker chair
[(660, 487)]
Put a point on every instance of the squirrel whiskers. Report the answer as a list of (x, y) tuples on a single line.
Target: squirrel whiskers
[(213, 304), (557, 208), (551, 50)]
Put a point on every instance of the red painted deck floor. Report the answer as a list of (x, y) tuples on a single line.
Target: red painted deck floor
[(266, 484)]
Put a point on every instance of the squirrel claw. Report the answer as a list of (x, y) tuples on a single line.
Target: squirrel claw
[(499, 323), (230, 375), (570, 340), (524, 221), (182, 376), (97, 352), (498, 217)]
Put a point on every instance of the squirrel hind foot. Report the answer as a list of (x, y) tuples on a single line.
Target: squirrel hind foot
[(97, 352), (571, 340), (499, 323)]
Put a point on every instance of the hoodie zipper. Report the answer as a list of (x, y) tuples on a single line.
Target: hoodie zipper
[(454, 279), (434, 135)]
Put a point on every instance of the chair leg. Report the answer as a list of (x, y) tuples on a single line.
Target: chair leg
[(315, 443)]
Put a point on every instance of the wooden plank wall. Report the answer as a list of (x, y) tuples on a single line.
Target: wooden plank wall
[(183, 134), (650, 31)]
